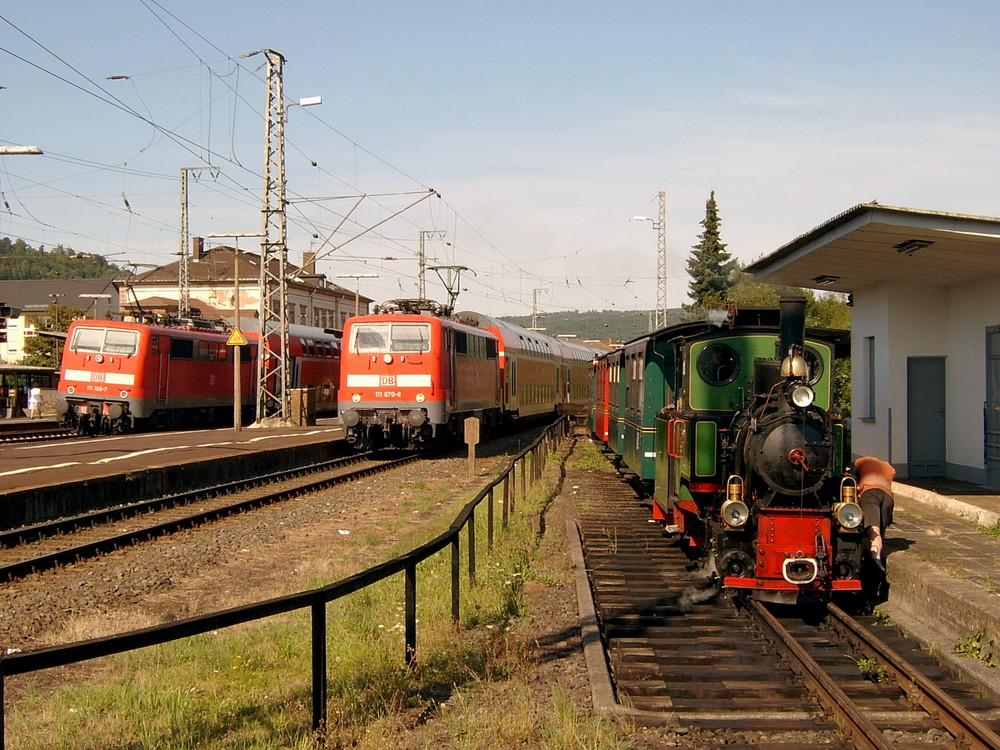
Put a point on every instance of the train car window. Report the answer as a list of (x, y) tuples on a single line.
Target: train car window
[(410, 337), (718, 364), (814, 361), (461, 343), (369, 337), (491, 349), (181, 348), (121, 342), (88, 340)]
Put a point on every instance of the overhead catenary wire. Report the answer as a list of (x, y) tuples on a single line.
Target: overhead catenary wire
[(495, 266)]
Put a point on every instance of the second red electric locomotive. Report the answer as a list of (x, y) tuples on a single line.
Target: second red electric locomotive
[(410, 377), (120, 376)]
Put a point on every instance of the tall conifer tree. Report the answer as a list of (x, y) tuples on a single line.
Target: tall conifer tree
[(711, 268)]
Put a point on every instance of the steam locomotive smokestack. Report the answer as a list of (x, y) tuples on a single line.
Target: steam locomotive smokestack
[(793, 321)]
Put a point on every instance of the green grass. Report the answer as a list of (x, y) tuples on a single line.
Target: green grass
[(250, 686)]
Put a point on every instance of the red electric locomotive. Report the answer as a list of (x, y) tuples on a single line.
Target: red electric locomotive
[(120, 376), (411, 378)]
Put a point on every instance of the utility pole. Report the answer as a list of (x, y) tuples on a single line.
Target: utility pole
[(272, 374), (661, 260), (534, 305), (422, 261), (183, 268), (661, 264)]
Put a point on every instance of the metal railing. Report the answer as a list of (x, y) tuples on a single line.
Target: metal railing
[(317, 599)]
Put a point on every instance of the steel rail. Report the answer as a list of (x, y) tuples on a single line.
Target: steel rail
[(109, 544), (861, 730), (967, 729), (15, 537)]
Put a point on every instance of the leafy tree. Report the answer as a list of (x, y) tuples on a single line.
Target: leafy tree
[(22, 262), (44, 351), (710, 266)]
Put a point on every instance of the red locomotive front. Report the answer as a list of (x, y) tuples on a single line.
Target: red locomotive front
[(408, 380)]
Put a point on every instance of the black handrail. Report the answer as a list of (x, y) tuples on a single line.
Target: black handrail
[(315, 599)]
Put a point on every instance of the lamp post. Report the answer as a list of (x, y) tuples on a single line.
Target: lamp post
[(19, 150), (56, 296), (357, 287), (93, 304)]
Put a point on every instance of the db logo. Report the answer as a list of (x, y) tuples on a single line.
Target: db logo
[(387, 380)]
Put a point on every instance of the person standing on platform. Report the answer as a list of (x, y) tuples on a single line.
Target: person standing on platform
[(876, 500), (35, 402)]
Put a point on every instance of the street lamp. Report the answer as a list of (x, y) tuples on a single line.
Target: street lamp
[(357, 287), (19, 150)]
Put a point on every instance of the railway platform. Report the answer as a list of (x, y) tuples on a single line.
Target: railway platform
[(943, 569), (51, 479)]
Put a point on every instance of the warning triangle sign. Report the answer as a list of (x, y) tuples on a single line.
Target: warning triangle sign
[(236, 338)]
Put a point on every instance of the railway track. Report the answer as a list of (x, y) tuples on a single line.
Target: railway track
[(45, 546), (36, 435), (681, 654)]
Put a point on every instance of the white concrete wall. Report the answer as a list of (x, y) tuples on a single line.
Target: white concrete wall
[(923, 321), (870, 317), (973, 308)]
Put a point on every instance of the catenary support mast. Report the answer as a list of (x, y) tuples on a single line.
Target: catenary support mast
[(661, 264), (272, 360)]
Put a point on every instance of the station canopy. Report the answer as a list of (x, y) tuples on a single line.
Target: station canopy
[(871, 243)]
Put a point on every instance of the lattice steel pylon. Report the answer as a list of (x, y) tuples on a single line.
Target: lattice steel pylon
[(272, 359), (661, 264)]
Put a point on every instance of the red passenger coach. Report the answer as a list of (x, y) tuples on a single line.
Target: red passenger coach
[(541, 375), (119, 376), (602, 387), (408, 380)]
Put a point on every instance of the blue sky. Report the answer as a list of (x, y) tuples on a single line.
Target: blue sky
[(544, 126)]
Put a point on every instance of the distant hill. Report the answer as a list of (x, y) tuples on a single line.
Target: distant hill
[(616, 326), (22, 262)]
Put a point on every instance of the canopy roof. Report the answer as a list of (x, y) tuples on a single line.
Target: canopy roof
[(871, 243)]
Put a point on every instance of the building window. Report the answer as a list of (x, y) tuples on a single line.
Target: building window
[(869, 377)]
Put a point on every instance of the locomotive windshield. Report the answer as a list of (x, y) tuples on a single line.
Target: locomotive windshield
[(105, 340), (390, 337)]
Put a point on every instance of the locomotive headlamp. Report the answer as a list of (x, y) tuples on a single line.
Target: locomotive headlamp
[(387, 358), (734, 488), (848, 515), (735, 513), (794, 366), (802, 396), (848, 490), (421, 398)]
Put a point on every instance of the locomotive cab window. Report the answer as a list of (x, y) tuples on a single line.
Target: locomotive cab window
[(391, 337), (108, 341), (814, 364), (718, 364)]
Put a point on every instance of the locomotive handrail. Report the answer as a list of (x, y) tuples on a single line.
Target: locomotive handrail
[(14, 663)]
